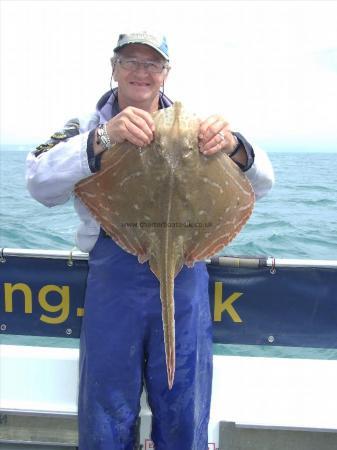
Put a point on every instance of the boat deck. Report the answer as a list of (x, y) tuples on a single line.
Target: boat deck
[(256, 396)]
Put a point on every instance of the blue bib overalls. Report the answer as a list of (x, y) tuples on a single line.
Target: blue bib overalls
[(122, 347)]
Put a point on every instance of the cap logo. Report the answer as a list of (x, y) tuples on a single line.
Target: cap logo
[(145, 36)]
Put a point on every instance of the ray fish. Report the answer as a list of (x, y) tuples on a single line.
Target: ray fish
[(186, 206)]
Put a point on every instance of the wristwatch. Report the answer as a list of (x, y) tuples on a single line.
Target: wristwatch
[(103, 137)]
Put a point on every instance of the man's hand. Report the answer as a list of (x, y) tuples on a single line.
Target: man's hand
[(215, 135), (132, 124)]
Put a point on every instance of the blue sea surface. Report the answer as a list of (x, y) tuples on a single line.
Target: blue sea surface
[(297, 219)]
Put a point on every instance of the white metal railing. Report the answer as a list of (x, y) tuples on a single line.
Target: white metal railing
[(231, 261)]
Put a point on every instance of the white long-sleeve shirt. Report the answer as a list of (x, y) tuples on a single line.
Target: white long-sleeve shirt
[(52, 175)]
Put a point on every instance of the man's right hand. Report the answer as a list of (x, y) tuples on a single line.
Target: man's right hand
[(133, 125)]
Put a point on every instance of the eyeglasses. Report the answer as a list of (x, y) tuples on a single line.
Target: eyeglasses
[(149, 66)]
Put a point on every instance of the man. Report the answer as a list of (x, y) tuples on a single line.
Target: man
[(122, 337)]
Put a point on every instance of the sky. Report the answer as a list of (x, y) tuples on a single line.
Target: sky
[(269, 67)]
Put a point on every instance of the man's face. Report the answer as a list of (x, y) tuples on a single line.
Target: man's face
[(137, 86)]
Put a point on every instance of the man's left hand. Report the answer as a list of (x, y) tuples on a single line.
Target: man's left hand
[(215, 135)]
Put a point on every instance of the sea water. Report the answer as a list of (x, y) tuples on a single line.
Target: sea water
[(297, 219)]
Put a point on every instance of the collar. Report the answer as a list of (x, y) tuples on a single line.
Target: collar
[(107, 106)]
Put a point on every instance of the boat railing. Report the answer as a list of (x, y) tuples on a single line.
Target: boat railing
[(231, 261)]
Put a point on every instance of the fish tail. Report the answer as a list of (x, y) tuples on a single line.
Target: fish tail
[(167, 299)]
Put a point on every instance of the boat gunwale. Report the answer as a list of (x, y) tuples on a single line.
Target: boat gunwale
[(228, 261)]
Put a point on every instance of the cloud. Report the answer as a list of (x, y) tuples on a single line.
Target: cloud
[(328, 59), (269, 67)]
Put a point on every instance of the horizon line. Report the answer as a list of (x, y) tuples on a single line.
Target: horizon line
[(268, 148)]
